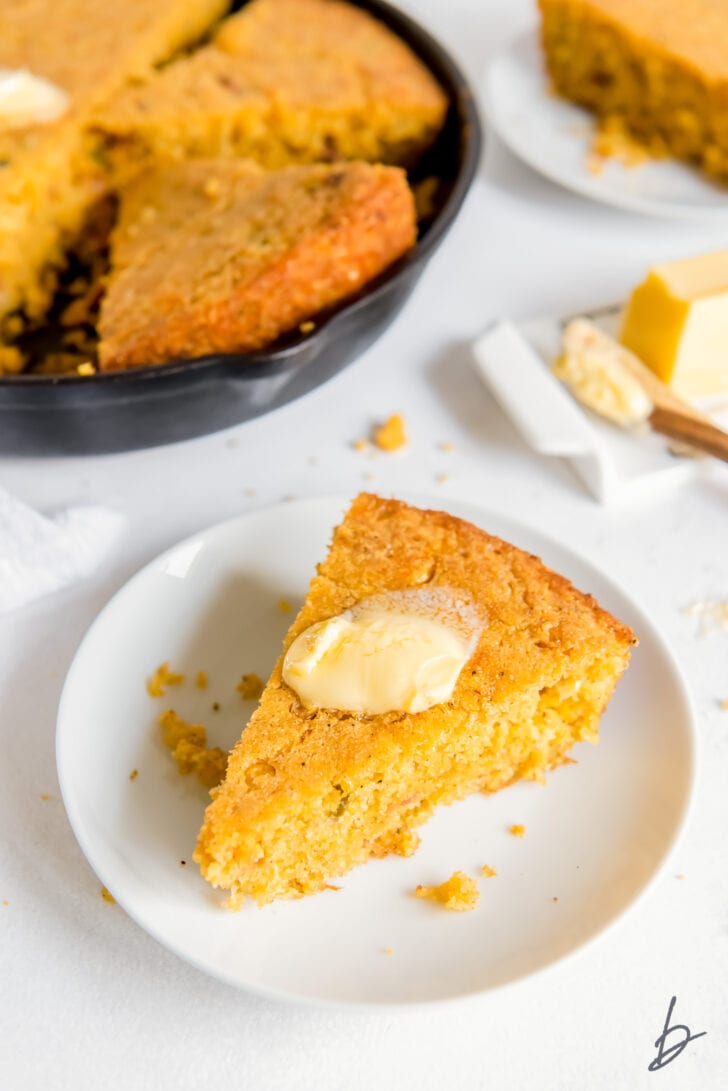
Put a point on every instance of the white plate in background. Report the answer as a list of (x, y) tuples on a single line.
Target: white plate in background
[(553, 136), (596, 835)]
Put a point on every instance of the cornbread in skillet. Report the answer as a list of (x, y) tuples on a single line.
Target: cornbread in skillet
[(310, 793), (283, 81), (659, 69), (221, 256), (49, 176)]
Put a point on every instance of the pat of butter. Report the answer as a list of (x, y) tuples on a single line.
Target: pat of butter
[(677, 323), (401, 651), (594, 368), (26, 99)]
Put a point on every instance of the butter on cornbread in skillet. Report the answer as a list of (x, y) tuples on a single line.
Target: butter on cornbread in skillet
[(281, 82), (222, 256), (658, 69), (49, 176), (313, 791)]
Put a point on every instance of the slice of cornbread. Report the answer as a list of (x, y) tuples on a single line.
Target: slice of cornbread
[(660, 69), (310, 793), (283, 81), (222, 256), (49, 176)]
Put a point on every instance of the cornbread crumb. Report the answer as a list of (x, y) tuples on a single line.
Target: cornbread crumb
[(307, 327), (488, 871), (594, 164), (387, 950), (5, 902), (724, 704), (44, 796), (360, 444), (12, 360), (201, 680), (107, 896), (134, 774), (161, 678), (425, 193), (518, 830), (459, 892), (613, 140), (86, 368), (392, 435), (250, 686), (679, 876), (188, 743), (711, 614), (284, 606), (446, 446), (554, 899), (442, 478)]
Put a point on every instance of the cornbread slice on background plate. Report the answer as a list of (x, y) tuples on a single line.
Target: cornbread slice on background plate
[(221, 256), (49, 176), (283, 81), (658, 69), (310, 793)]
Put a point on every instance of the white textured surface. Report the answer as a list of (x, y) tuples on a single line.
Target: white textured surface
[(40, 554), (87, 999)]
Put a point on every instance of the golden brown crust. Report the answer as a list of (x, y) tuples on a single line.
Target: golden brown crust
[(221, 256), (661, 70), (285, 81), (349, 787), (692, 32)]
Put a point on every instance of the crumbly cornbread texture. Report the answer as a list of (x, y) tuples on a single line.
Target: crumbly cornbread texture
[(310, 793), (222, 256), (283, 81), (458, 893), (49, 176), (660, 68)]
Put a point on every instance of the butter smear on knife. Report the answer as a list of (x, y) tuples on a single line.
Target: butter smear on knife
[(596, 370)]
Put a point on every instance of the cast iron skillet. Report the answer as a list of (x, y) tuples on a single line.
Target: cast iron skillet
[(145, 407)]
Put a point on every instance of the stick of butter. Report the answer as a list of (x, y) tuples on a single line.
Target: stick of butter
[(677, 323)]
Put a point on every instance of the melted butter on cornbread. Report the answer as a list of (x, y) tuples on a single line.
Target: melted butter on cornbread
[(27, 99), (399, 651)]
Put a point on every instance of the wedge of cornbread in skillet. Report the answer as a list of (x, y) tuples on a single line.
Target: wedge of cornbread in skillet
[(658, 69), (222, 256), (283, 81), (49, 176), (310, 793)]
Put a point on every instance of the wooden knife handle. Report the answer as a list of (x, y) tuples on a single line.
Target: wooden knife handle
[(692, 430)]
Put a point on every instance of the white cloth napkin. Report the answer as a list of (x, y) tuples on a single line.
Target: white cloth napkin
[(39, 555)]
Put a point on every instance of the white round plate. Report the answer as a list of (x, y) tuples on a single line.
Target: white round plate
[(553, 137), (595, 835)]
